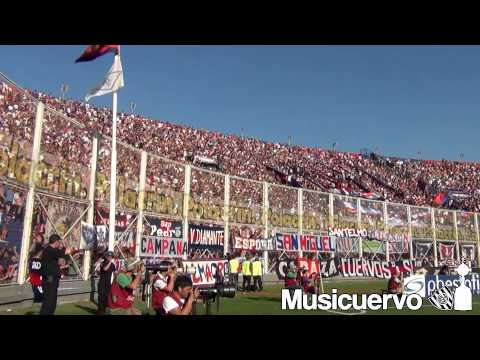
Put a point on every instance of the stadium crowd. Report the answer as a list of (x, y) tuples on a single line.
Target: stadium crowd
[(369, 175)]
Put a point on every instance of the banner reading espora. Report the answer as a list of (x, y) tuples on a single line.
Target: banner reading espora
[(204, 272), (296, 242)]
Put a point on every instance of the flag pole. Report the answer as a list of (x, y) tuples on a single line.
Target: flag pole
[(113, 175)]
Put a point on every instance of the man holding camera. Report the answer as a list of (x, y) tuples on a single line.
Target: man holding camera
[(51, 273), (107, 268), (180, 300), (163, 282), (121, 297)]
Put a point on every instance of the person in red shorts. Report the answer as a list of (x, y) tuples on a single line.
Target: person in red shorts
[(395, 284), (308, 288), (35, 273)]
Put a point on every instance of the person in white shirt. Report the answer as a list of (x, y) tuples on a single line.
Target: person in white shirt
[(163, 282), (180, 301)]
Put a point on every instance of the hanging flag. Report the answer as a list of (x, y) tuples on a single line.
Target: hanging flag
[(113, 81), (446, 251), (439, 199), (94, 51)]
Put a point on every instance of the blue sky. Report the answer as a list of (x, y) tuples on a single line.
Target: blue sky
[(398, 99)]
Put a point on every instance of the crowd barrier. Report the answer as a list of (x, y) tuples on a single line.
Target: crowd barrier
[(54, 178)]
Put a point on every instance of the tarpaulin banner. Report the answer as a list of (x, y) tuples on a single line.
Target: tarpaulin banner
[(346, 267), (296, 242), (371, 268), (123, 222), (206, 272), (447, 252), (468, 251), (205, 237), (165, 239), (253, 244)]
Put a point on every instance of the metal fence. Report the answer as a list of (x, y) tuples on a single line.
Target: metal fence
[(55, 173)]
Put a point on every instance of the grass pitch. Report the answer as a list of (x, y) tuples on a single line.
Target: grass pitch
[(268, 302)]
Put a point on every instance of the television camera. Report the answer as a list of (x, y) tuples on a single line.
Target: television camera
[(209, 294)]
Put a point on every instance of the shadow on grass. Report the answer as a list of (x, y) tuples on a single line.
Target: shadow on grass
[(87, 309), (273, 299), (31, 312)]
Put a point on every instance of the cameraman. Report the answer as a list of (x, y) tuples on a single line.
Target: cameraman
[(121, 297), (107, 268), (163, 282), (51, 273), (180, 301)]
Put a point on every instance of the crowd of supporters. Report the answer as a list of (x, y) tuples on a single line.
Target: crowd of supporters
[(367, 175)]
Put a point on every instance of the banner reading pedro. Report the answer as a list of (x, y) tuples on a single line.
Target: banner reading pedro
[(205, 272), (164, 239), (296, 242)]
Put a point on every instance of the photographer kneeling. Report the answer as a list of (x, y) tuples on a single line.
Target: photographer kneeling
[(121, 297), (180, 301), (163, 282)]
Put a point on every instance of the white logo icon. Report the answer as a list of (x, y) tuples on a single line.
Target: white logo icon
[(463, 294), (459, 298)]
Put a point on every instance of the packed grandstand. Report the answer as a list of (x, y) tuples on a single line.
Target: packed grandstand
[(422, 183), (446, 184)]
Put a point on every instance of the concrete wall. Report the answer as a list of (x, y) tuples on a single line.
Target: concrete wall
[(14, 296)]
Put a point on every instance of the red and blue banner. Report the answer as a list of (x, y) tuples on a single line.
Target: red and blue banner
[(296, 242)]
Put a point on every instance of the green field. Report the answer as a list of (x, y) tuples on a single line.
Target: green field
[(268, 302)]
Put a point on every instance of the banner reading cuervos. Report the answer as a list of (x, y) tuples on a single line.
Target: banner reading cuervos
[(165, 238)]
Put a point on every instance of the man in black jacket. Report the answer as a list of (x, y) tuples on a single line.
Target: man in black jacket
[(51, 273)]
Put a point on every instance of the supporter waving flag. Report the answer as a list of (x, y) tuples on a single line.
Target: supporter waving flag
[(94, 51)]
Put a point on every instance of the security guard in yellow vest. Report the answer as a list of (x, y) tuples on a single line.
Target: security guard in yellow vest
[(247, 272), (257, 272), (234, 263)]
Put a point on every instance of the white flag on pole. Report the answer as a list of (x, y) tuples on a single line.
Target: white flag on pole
[(113, 81)]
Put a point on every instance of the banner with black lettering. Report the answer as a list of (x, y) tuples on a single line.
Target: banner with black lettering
[(164, 239), (296, 242), (206, 272), (328, 268)]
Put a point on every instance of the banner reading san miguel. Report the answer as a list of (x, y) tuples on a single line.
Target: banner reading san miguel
[(205, 237), (164, 239), (205, 272), (296, 242)]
